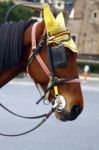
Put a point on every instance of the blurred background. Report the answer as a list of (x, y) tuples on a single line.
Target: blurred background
[(82, 19), (20, 95)]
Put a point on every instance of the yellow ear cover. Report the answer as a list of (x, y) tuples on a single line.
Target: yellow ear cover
[(55, 26), (50, 21)]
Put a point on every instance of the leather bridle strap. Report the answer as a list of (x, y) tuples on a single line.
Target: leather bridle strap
[(34, 46), (56, 83), (40, 60)]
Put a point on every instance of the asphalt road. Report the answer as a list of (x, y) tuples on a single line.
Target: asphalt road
[(81, 134)]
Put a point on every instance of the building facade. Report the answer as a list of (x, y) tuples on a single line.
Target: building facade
[(84, 25)]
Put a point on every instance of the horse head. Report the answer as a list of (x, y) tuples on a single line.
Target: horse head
[(58, 53)]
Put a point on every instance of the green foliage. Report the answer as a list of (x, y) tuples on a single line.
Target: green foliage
[(4, 7), (18, 13)]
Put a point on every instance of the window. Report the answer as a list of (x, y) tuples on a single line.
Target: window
[(95, 14), (69, 5)]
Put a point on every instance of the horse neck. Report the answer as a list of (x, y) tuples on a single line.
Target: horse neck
[(9, 74)]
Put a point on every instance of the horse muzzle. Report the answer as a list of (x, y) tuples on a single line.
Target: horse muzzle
[(61, 111), (72, 115)]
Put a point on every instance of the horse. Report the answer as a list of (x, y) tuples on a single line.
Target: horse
[(51, 65)]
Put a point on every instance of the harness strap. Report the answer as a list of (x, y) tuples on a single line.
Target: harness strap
[(38, 57), (71, 80)]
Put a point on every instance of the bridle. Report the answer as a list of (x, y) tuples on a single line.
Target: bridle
[(58, 103), (53, 80)]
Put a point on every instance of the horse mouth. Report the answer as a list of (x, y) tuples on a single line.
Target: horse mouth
[(68, 116)]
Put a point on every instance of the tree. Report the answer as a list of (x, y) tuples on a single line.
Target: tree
[(18, 13), (4, 7)]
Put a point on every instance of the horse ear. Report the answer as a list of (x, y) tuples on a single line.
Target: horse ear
[(50, 21), (61, 21)]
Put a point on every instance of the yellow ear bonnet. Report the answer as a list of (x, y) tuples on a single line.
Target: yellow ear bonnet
[(55, 26)]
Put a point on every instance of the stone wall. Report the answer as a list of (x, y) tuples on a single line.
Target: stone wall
[(85, 25)]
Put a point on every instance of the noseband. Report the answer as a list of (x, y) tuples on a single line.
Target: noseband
[(59, 102)]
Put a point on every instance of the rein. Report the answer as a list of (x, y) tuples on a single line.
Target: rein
[(54, 81), (46, 116)]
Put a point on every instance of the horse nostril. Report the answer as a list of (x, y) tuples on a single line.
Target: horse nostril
[(76, 110)]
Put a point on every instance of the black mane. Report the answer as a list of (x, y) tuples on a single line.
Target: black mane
[(11, 43)]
